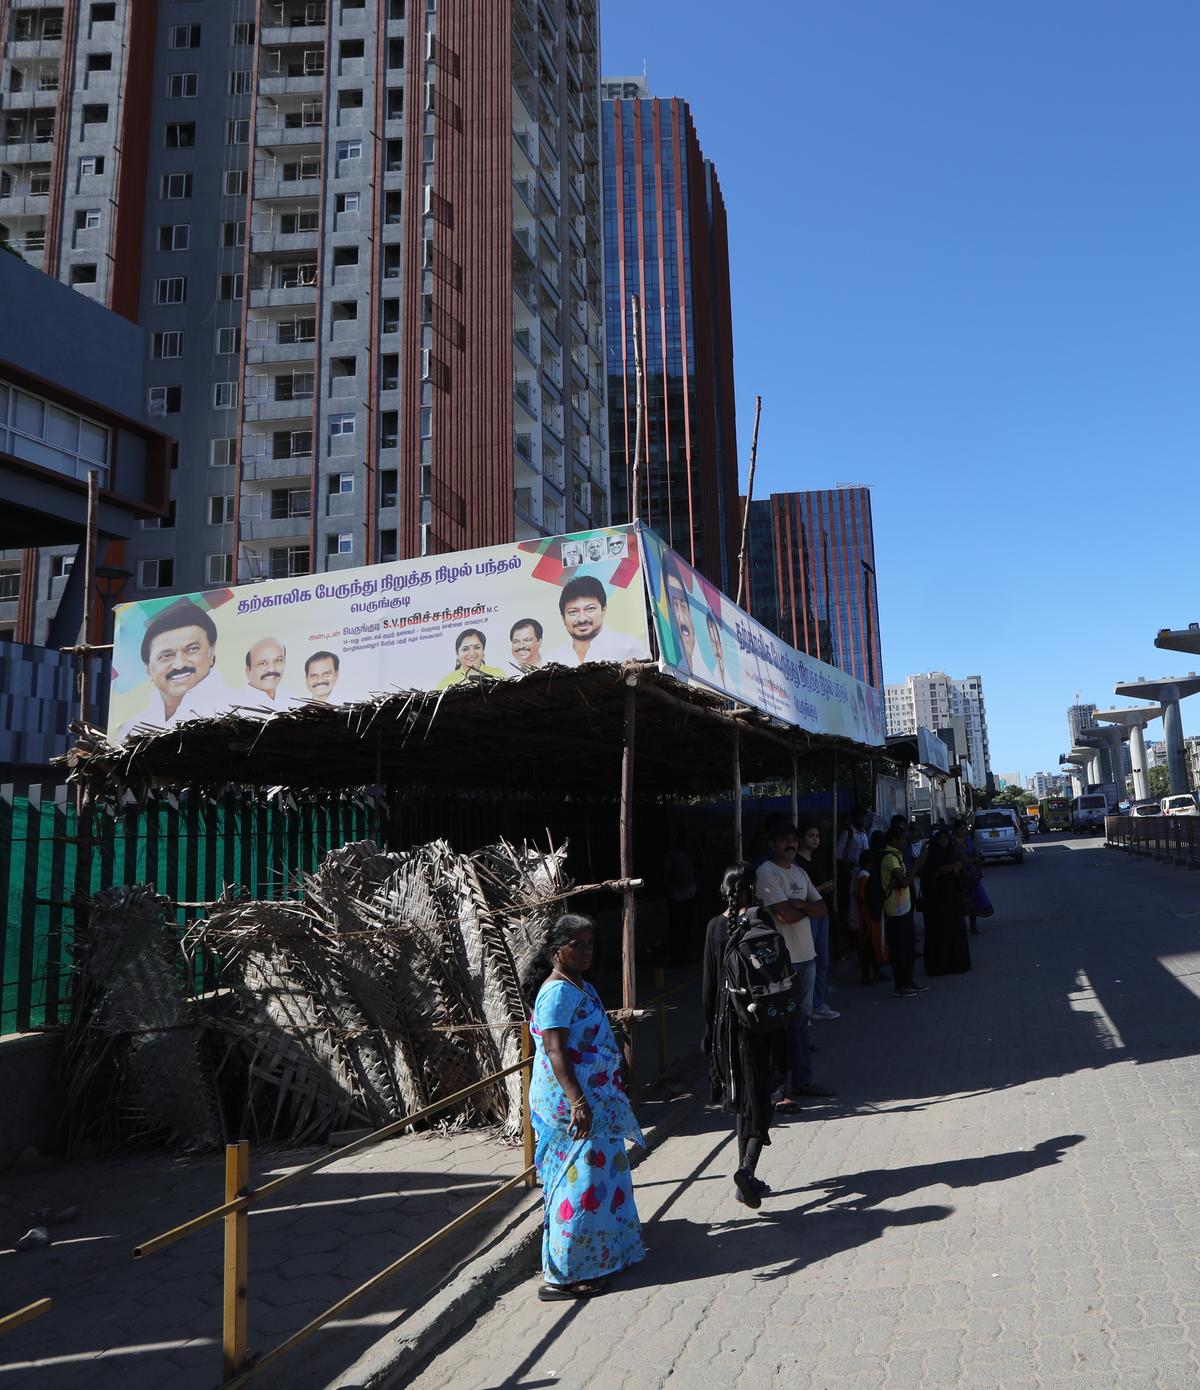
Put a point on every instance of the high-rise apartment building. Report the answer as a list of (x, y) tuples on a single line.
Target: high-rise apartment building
[(934, 699), (810, 576), (364, 240), (666, 241), (1080, 718)]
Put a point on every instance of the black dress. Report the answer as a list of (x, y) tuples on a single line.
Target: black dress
[(947, 945), (744, 1067)]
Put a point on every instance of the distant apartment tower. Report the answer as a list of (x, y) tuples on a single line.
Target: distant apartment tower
[(666, 241), (811, 576), (1080, 718), (365, 242), (1043, 784), (933, 699)]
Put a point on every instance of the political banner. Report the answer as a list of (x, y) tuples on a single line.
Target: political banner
[(705, 638), (344, 636)]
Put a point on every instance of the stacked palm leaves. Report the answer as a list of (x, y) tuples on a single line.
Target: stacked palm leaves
[(389, 982)]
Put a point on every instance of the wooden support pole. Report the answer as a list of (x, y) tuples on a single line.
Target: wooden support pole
[(639, 429), (741, 582), (237, 1259), (526, 1113), (629, 914), (795, 790), (89, 588), (737, 794), (833, 896)]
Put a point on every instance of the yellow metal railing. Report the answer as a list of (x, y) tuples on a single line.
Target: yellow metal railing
[(240, 1197)]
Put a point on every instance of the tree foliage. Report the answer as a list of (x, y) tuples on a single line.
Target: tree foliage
[(1160, 781)]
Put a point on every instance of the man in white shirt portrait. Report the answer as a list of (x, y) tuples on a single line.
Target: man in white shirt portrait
[(322, 672), (266, 662), (179, 650), (583, 604), (791, 898)]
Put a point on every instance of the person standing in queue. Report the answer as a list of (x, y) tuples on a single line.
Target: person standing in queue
[(899, 931), (810, 843), (791, 898), (581, 1120), (743, 1064)]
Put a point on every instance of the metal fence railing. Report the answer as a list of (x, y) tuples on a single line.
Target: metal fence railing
[(1169, 839)]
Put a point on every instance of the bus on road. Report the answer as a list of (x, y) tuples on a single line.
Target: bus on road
[(1054, 813)]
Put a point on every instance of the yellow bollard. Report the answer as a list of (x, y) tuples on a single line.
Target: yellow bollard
[(237, 1260), (660, 985), (526, 1114)]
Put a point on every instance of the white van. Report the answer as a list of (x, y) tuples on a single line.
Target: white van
[(1181, 804), (1088, 811)]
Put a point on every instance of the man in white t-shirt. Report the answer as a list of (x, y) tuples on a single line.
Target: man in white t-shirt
[(791, 898)]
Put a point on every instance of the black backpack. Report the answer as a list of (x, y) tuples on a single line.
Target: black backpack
[(758, 976)]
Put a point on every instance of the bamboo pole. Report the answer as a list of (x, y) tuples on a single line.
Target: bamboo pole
[(795, 790), (834, 891), (629, 914), (635, 507), (749, 496), (737, 794), (89, 584), (24, 1315), (237, 1258), (660, 987), (526, 1113)]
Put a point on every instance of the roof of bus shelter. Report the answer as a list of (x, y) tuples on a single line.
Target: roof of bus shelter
[(554, 732)]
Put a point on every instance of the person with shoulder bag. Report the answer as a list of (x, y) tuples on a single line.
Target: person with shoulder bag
[(749, 998)]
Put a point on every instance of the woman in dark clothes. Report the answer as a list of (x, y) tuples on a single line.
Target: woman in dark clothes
[(947, 949), (744, 1067)]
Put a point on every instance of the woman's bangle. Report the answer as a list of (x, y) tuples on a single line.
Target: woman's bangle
[(581, 1104)]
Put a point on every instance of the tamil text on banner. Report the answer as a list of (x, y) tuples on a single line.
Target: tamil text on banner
[(704, 637), (342, 637)]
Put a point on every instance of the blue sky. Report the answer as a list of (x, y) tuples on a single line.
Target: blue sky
[(966, 270)]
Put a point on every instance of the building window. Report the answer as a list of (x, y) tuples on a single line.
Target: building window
[(95, 114), (172, 289), (239, 82), (348, 149), (176, 186), (220, 509), (291, 444), (351, 99), (90, 165), (38, 431), (288, 503), (161, 523), (83, 274), (235, 183), (182, 84), (237, 132), (223, 453), (346, 202), (295, 386), (292, 222), (99, 62), (165, 345), (174, 236), (340, 483), (179, 135), (87, 219), (231, 286), (10, 585), (156, 574), (389, 487), (243, 35), (229, 340), (185, 36), (164, 400), (225, 395), (218, 569), (233, 233), (285, 562), (60, 566), (296, 331), (341, 425), (340, 544)]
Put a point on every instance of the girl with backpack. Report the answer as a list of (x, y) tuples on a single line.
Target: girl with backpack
[(748, 1000)]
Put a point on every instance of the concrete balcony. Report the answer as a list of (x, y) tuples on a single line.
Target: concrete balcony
[(283, 299), (276, 136), (286, 354), (310, 84), (279, 243), (19, 204), (277, 36), (261, 469), (291, 528), (286, 412), (270, 188), (25, 151), (33, 98), (25, 49)]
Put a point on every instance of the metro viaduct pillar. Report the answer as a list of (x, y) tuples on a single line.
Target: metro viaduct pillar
[(1167, 692), (1135, 721)]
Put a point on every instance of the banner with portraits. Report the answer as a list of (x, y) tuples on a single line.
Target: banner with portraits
[(705, 638), (344, 636)]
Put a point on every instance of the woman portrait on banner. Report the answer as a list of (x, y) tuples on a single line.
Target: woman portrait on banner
[(470, 647), (581, 1120)]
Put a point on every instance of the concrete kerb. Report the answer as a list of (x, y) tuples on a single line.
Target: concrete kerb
[(399, 1354)]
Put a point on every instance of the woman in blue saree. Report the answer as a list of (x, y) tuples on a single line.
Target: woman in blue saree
[(581, 1119)]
